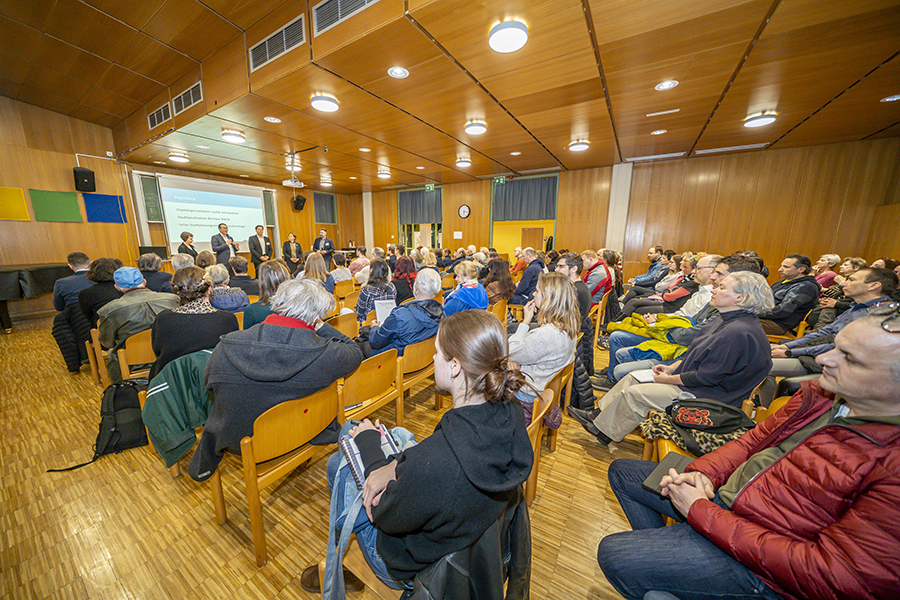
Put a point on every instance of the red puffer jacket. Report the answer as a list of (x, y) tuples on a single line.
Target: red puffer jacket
[(823, 521)]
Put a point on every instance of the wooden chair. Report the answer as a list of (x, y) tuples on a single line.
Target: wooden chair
[(369, 318), (408, 300), (100, 358), (498, 309), (355, 562), (600, 314), (561, 384), (279, 444), (371, 386), (137, 351), (342, 289), (439, 297), (240, 319), (415, 366), (253, 298), (346, 324), (350, 299), (542, 405), (517, 311), (174, 471), (92, 360), (791, 335), (448, 281), (764, 412)]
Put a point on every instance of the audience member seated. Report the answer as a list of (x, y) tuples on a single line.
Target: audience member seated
[(655, 273), (223, 296), (468, 293), (192, 326), (519, 264), (429, 261), (672, 300), (673, 262), (187, 245), (458, 257), (411, 322), (241, 279), (822, 270), (804, 506), (360, 262), (599, 273), (150, 265), (133, 313), (271, 274), (528, 283), (66, 289), (728, 358), (292, 253), (314, 268), (418, 258), (795, 295), (441, 495), (378, 287), (552, 257), (340, 272), (404, 277), (866, 288), (570, 264), (362, 276), (832, 300), (763, 269), (92, 298), (498, 284), (179, 261), (885, 263), (543, 351), (205, 259), (292, 354)]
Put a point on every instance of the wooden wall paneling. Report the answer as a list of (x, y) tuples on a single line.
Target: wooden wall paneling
[(582, 209), (226, 74), (770, 219), (45, 129), (88, 138), (298, 222), (21, 242), (874, 181), (11, 130), (883, 239), (286, 63), (350, 219), (386, 226), (476, 228), (137, 129), (736, 193), (696, 214), (362, 23), (635, 248), (663, 204)]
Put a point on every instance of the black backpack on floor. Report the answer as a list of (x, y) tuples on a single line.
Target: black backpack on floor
[(121, 425)]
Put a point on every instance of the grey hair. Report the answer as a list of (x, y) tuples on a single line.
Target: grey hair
[(755, 289), (149, 262), (305, 299), (378, 252), (218, 274), (182, 260), (832, 259), (715, 259), (530, 251), (480, 257), (428, 282)]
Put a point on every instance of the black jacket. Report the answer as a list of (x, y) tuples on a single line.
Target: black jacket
[(793, 299), (249, 284), (158, 280)]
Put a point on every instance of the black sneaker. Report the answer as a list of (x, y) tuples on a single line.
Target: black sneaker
[(602, 372), (602, 384), (586, 419), (603, 341)]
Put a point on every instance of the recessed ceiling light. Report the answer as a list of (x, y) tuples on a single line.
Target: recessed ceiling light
[(203, 147), (579, 146), (891, 98), (234, 136), (760, 120), (476, 127), (243, 175), (508, 36), (159, 162), (365, 150), (463, 162), (516, 153), (324, 103), (665, 85), (180, 157), (384, 174), (353, 178), (271, 119), (658, 132), (398, 72), (420, 168), (292, 163), (663, 112)]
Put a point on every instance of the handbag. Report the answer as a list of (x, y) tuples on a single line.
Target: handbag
[(706, 416)]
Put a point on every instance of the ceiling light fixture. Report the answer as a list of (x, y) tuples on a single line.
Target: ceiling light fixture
[(663, 112), (421, 168), (655, 156), (476, 127), (179, 157), (384, 174), (243, 175), (271, 119), (463, 162), (658, 132), (508, 36), (203, 147), (292, 162), (579, 146), (159, 162), (516, 153), (398, 72), (894, 98), (665, 85), (234, 136), (353, 178), (324, 103), (365, 150), (760, 120), (325, 182)]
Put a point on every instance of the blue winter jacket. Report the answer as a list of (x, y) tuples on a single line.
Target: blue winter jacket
[(407, 324), (468, 295)]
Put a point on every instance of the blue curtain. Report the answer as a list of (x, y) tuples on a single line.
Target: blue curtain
[(324, 207), (419, 206), (526, 199)]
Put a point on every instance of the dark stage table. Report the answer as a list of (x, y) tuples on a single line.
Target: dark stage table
[(26, 281)]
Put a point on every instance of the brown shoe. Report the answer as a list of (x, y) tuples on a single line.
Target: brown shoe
[(309, 580)]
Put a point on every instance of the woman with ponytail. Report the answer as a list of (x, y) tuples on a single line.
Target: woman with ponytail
[(441, 495)]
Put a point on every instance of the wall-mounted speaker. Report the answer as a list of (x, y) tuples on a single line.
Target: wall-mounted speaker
[(299, 202), (84, 180)]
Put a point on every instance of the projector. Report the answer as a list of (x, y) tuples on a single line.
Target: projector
[(292, 183)]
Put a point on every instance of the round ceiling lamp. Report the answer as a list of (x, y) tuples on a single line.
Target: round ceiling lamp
[(384, 174), (658, 132), (665, 85), (476, 127), (179, 157), (891, 98), (292, 163), (760, 120), (515, 153), (324, 103), (271, 119), (325, 182), (398, 72), (234, 136), (579, 146), (508, 36), (463, 162)]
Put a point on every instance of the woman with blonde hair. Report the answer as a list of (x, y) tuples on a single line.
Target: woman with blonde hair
[(549, 347), (468, 293), (315, 269)]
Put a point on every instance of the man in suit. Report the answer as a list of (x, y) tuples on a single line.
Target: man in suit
[(224, 246), (324, 246), (260, 248), (65, 290)]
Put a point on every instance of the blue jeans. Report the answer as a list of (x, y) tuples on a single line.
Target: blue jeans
[(675, 559), (621, 340)]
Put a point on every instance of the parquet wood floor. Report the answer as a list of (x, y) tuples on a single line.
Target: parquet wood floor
[(124, 528)]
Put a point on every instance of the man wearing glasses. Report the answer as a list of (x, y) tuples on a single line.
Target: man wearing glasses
[(805, 505)]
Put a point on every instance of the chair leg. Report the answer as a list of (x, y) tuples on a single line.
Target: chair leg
[(399, 410), (218, 497), (174, 471), (256, 519), (531, 484), (648, 449), (552, 434), (438, 401), (92, 360)]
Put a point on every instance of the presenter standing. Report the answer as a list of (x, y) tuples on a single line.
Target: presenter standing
[(292, 252), (324, 246), (224, 246), (260, 248)]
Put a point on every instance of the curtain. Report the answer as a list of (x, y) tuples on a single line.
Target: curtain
[(324, 208), (419, 206), (526, 199)]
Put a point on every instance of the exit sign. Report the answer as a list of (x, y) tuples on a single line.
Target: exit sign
[(429, 187), (499, 179)]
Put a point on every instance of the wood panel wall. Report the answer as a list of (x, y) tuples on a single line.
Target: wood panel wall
[(883, 238), (384, 210), (582, 209), (810, 200), (350, 220), (476, 228)]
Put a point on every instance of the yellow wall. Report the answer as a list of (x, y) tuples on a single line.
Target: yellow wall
[(508, 234)]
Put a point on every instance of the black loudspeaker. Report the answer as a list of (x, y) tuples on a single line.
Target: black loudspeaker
[(84, 180), (299, 202)]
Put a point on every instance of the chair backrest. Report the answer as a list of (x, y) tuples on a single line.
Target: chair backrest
[(559, 380), (253, 298), (291, 424), (342, 288), (542, 405), (439, 297), (418, 356), (601, 314), (448, 281), (346, 324), (240, 318), (138, 349), (408, 300), (498, 309), (374, 377), (350, 299)]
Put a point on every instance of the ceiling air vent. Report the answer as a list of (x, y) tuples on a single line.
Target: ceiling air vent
[(187, 99), (329, 13), (289, 37), (158, 116)]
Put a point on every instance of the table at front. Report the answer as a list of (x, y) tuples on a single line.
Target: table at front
[(26, 281)]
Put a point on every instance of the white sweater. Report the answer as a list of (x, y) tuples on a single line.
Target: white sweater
[(541, 353)]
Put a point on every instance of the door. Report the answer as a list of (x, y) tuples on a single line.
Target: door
[(533, 237)]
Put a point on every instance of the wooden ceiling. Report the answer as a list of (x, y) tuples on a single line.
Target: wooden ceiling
[(587, 72)]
